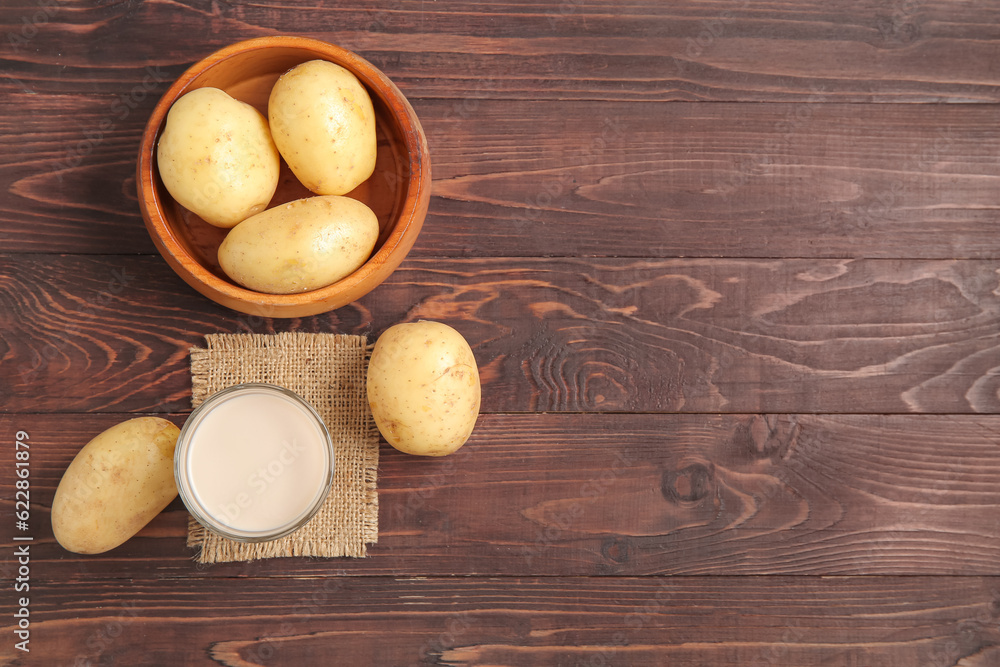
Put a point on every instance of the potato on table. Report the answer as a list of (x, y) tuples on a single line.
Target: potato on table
[(423, 388), (115, 485)]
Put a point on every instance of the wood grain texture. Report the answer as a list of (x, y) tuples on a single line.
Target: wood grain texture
[(512, 178), (731, 273), (680, 621), (644, 50), (622, 495), (592, 335)]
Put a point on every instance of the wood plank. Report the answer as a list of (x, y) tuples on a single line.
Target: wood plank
[(931, 51), (568, 335), (548, 494), (680, 621), (629, 180), (696, 180)]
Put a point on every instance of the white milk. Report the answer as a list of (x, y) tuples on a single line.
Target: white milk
[(256, 461)]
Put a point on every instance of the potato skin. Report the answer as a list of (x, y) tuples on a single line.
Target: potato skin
[(423, 388), (115, 485), (216, 157), (323, 124), (300, 246)]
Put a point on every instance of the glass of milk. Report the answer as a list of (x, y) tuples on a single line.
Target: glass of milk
[(254, 462)]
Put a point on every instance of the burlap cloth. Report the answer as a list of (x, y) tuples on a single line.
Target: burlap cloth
[(328, 371)]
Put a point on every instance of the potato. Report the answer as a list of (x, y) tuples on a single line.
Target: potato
[(323, 123), (216, 157), (300, 246), (116, 484), (423, 388)]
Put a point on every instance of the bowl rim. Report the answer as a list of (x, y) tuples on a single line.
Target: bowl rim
[(323, 299)]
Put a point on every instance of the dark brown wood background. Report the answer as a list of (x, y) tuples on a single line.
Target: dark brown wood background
[(731, 271)]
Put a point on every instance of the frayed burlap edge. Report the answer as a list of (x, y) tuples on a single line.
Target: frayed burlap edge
[(311, 365)]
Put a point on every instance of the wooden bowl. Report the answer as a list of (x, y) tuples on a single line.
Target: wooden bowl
[(398, 191)]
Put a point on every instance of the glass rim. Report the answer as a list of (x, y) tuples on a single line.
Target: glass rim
[(186, 491)]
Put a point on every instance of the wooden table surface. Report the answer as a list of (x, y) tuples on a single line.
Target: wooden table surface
[(731, 271)]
